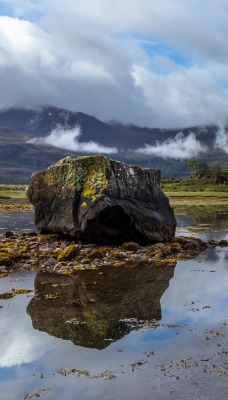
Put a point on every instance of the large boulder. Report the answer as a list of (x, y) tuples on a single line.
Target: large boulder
[(99, 200)]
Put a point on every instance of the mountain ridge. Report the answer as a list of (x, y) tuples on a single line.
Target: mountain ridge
[(19, 157), (42, 121)]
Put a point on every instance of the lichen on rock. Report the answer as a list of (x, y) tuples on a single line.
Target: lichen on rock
[(99, 200)]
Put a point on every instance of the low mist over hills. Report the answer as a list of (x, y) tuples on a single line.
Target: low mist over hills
[(30, 140)]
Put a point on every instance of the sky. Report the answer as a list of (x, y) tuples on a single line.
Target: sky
[(154, 63)]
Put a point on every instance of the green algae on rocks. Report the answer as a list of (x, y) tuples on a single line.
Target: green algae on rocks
[(99, 200), (32, 251), (14, 292)]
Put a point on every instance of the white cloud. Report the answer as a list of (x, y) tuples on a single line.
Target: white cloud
[(68, 139), (96, 59), (180, 147), (185, 97), (221, 140), (194, 283), (17, 347)]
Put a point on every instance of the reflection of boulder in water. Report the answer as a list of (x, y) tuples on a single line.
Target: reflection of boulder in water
[(87, 307)]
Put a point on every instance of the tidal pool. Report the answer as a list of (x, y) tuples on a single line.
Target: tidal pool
[(133, 333)]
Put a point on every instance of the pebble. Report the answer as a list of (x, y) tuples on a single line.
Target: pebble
[(34, 251)]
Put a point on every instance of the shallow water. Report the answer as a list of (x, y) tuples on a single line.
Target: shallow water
[(207, 226), (133, 333), (17, 221)]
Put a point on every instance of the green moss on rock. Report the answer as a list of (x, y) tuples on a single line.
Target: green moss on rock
[(131, 246), (68, 253)]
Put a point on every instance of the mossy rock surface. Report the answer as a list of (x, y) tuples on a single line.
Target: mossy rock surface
[(99, 200)]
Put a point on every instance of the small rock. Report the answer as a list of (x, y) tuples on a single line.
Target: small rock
[(9, 234), (51, 261)]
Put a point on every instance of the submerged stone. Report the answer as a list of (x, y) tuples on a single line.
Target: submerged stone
[(99, 200)]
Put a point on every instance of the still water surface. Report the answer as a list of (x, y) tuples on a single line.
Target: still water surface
[(135, 333), (17, 221)]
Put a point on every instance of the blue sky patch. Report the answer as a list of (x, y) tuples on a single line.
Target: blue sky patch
[(155, 46), (6, 10), (10, 11), (158, 48)]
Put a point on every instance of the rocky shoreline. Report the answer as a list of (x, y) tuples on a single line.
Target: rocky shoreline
[(58, 254)]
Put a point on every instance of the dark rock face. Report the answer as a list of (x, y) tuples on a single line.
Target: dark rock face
[(99, 200)]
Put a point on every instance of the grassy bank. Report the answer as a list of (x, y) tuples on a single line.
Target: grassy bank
[(209, 200), (12, 191), (190, 185), (13, 198), (190, 192)]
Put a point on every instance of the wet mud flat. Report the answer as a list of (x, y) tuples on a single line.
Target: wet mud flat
[(11, 204)]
